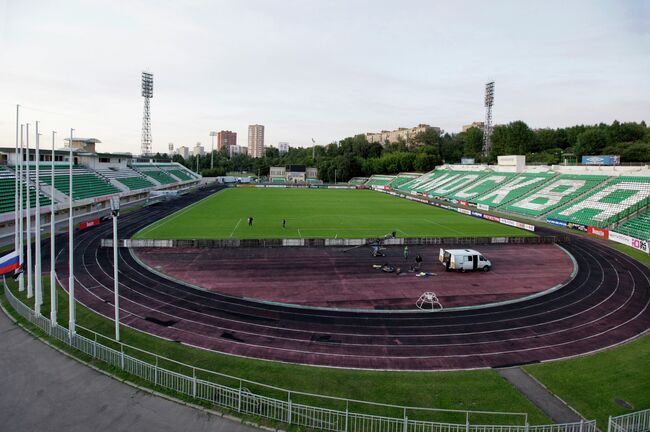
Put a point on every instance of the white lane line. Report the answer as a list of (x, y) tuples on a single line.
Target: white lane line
[(236, 226), (299, 233)]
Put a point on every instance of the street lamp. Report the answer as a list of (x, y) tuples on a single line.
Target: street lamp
[(212, 135), (115, 212)]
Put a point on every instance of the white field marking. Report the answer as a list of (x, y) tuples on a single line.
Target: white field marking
[(402, 232), (173, 216), (235, 228), (445, 227), (299, 233), (336, 236)]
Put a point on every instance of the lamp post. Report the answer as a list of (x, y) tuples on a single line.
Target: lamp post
[(53, 299), (38, 286), (71, 302), (115, 212), (21, 277), (212, 135), (30, 287), (16, 183)]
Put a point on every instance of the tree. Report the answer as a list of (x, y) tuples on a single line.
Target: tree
[(591, 141)]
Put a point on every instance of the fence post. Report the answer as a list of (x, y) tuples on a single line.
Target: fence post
[(466, 421), (609, 424), (289, 408), (347, 412), (406, 421), (239, 402), (122, 355), (155, 372), (194, 382), (95, 347), (582, 423)]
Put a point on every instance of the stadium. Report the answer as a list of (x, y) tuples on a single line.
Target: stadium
[(219, 283)]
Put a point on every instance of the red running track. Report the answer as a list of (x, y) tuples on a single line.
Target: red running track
[(345, 278), (606, 304)]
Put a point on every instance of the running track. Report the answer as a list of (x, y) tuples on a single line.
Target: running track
[(605, 305)]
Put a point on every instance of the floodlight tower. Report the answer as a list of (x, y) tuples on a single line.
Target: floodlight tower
[(147, 94), (487, 126), (212, 135)]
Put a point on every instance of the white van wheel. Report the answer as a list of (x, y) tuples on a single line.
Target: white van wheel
[(486, 268)]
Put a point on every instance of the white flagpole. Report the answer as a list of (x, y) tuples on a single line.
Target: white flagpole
[(21, 279), (71, 302), (17, 186), (30, 286), (38, 283), (115, 209), (53, 299)]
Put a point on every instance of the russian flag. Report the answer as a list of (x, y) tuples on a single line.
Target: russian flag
[(9, 263)]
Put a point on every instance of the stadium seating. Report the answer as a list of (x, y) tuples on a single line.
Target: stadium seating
[(358, 180), (609, 203), (85, 184), (126, 176), (278, 180), (402, 178), (519, 185), (314, 181), (454, 181), (379, 180), (421, 183), (154, 172), (135, 183), (482, 186), (8, 192), (554, 194), (638, 226), (179, 174)]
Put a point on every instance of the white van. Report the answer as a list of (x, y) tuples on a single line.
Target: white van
[(463, 260)]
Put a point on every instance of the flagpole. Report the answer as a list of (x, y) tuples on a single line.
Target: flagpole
[(71, 303), (38, 283), (21, 279), (53, 299), (17, 186), (30, 286)]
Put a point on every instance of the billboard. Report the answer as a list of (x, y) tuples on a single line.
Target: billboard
[(641, 245), (601, 160), (600, 232), (467, 161)]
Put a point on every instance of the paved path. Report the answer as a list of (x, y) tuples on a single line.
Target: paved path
[(43, 390), (550, 404)]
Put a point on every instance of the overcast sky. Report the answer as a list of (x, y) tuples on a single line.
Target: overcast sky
[(322, 69)]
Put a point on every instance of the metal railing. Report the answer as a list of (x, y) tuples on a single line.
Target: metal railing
[(287, 410), (634, 422)]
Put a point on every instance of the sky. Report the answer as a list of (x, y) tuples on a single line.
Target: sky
[(316, 69)]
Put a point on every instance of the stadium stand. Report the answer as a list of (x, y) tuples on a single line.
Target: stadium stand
[(8, 192), (126, 176), (519, 185), (379, 180), (637, 227), (402, 178), (154, 172), (484, 185), (554, 194), (86, 183), (358, 181), (313, 181), (278, 180), (456, 180), (616, 199), (421, 183)]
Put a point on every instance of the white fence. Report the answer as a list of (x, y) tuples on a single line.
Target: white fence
[(633, 422), (241, 400)]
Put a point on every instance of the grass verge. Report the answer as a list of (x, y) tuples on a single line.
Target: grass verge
[(472, 390)]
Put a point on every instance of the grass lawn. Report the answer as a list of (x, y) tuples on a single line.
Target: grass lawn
[(316, 213), (474, 390)]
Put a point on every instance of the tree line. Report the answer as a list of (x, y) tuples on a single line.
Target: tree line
[(356, 157)]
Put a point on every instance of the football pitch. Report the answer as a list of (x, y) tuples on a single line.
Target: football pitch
[(316, 213)]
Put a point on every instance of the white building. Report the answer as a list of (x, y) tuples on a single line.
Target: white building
[(183, 151), (198, 150), (256, 140), (283, 147)]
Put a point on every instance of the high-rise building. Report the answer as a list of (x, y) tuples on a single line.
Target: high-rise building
[(198, 150), (283, 147), (476, 124), (256, 140), (226, 138), (183, 151)]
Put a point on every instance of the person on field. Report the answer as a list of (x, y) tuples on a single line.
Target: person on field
[(284, 223), (250, 220), (406, 253), (418, 261)]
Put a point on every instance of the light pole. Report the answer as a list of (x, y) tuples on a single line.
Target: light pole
[(16, 183), (53, 299), (21, 278), (38, 286), (212, 134), (30, 288), (71, 311), (115, 212)]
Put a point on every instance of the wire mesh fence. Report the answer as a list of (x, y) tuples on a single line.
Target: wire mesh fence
[(244, 396)]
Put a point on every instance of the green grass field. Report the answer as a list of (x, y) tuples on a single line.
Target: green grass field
[(316, 213)]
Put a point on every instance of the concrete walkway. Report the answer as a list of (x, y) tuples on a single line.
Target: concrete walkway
[(43, 390), (546, 401)]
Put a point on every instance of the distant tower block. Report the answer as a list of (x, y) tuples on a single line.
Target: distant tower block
[(170, 146), (147, 94), (487, 127)]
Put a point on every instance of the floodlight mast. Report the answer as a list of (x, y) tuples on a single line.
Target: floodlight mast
[(147, 94), (487, 126)]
